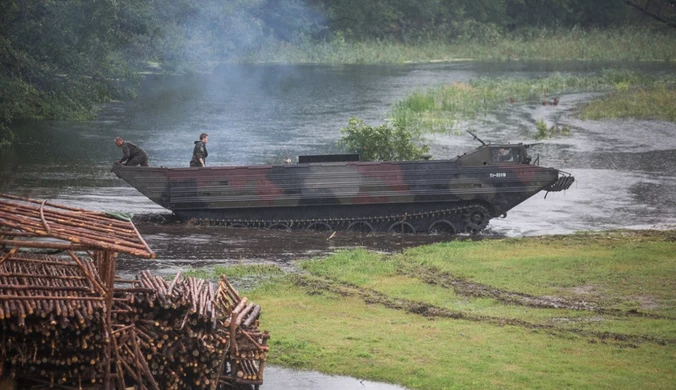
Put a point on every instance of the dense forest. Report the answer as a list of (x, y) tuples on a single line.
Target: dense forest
[(60, 57)]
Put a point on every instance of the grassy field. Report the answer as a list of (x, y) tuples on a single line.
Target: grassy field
[(631, 94), (590, 310), (551, 44), (657, 103)]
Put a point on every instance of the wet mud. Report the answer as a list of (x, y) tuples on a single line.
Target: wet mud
[(315, 285), (183, 246)]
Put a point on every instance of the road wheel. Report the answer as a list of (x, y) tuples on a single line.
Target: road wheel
[(401, 227), (360, 227), (442, 226), (319, 226)]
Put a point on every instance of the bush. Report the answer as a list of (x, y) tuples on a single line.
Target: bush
[(6, 136), (382, 143), (544, 132)]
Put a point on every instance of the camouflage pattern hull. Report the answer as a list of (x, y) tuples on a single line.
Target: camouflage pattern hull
[(404, 196)]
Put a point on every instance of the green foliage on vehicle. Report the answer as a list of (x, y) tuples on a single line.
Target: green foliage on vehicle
[(381, 143)]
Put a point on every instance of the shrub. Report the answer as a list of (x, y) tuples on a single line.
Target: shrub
[(542, 129), (556, 130), (6, 136), (381, 143)]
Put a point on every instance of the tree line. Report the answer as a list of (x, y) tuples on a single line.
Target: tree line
[(60, 57)]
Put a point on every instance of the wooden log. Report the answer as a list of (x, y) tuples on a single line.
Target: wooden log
[(245, 311), (173, 283), (242, 303), (40, 244), (252, 317), (8, 254), (230, 288), (49, 298)]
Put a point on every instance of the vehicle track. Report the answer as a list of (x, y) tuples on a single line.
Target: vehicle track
[(316, 285), (464, 287)]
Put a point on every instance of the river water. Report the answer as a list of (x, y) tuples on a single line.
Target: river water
[(255, 114), (258, 114)]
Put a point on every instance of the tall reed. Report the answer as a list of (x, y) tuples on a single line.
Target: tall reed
[(551, 44), (438, 109)]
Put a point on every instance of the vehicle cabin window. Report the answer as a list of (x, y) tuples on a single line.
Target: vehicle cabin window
[(501, 155)]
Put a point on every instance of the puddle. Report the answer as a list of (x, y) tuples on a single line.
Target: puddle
[(287, 379)]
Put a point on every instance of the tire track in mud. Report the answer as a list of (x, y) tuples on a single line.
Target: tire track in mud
[(466, 288), (316, 285)]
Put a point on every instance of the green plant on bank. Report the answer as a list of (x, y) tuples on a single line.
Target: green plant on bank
[(452, 315), (439, 109), (381, 143), (555, 130), (649, 103)]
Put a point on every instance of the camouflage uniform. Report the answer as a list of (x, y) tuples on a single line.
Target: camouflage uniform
[(200, 151), (133, 155)]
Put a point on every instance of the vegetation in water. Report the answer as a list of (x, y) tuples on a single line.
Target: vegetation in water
[(439, 109), (381, 143), (508, 313), (654, 103), (544, 132)]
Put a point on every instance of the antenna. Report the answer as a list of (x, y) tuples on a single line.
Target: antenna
[(476, 138)]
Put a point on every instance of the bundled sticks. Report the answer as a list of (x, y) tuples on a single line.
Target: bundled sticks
[(182, 333), (190, 333), (73, 227), (52, 319)]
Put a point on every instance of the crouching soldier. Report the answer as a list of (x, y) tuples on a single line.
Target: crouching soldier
[(132, 154)]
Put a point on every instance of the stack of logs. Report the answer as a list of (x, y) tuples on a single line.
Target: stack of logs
[(52, 320), (183, 333), (191, 334)]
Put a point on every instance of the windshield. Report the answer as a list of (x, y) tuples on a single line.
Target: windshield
[(500, 155)]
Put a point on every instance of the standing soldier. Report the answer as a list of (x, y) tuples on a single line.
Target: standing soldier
[(199, 154), (133, 155)]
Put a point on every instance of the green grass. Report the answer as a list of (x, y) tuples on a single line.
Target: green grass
[(405, 319), (626, 44), (657, 103), (234, 271), (439, 109)]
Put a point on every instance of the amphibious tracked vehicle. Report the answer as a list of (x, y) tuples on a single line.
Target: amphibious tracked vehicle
[(338, 192)]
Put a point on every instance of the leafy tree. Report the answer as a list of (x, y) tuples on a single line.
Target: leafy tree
[(661, 10), (58, 58), (381, 143), (584, 13)]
